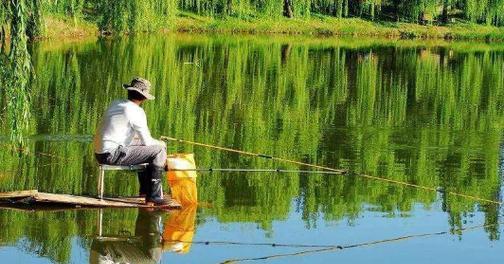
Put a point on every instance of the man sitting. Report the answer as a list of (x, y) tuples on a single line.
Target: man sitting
[(123, 138)]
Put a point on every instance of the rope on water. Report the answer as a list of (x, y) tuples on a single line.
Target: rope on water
[(363, 244), (239, 243), (340, 171)]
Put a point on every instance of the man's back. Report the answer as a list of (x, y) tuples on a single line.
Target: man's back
[(117, 127)]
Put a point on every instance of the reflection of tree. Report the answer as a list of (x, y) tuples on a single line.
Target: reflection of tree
[(48, 234), (392, 113)]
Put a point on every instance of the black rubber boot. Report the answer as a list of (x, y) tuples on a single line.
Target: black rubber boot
[(155, 194), (144, 180)]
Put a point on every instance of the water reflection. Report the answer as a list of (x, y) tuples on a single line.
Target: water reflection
[(143, 247), (151, 237), (421, 113), (179, 230)]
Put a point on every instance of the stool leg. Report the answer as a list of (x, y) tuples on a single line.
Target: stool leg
[(101, 175), (98, 180), (99, 222)]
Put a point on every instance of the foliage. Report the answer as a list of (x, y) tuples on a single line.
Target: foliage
[(16, 68), (150, 15)]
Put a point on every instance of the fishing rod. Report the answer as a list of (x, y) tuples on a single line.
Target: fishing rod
[(390, 181), (254, 154)]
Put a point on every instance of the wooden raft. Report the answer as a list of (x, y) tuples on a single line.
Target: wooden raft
[(36, 197)]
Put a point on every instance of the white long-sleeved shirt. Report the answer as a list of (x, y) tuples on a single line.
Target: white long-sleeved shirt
[(122, 121)]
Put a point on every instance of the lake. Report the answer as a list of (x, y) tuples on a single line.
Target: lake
[(427, 113)]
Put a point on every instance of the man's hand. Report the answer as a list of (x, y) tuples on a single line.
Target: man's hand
[(161, 143)]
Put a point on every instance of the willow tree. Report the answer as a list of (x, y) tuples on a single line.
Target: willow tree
[(35, 19), (287, 9), (415, 10), (447, 5), (475, 9), (494, 14), (16, 72), (134, 15), (374, 6), (302, 8), (4, 23)]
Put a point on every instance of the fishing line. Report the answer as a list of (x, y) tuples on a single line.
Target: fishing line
[(438, 189), (36, 153), (256, 170)]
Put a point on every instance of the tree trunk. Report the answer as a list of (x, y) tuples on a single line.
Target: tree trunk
[(345, 8), (372, 11), (397, 4), (229, 7), (339, 8), (287, 10), (444, 15), (35, 24), (3, 39)]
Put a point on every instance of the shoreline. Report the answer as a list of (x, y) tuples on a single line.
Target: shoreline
[(66, 29)]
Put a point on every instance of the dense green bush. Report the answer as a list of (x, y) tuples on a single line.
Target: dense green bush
[(149, 15)]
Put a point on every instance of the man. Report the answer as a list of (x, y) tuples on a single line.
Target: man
[(123, 138)]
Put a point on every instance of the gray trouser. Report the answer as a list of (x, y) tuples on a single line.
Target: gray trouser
[(131, 155)]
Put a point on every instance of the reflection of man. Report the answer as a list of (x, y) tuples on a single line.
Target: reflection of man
[(145, 247), (123, 121), (179, 230)]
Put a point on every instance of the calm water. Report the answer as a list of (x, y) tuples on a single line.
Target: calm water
[(430, 114)]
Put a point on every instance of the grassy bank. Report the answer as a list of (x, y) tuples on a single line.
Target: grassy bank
[(60, 27), (329, 26), (64, 28)]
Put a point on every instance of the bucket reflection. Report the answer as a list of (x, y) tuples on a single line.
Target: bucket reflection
[(179, 230)]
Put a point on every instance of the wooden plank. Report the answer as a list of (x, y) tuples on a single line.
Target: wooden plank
[(80, 200), (135, 200), (18, 194), (91, 201), (142, 166), (33, 197), (35, 206)]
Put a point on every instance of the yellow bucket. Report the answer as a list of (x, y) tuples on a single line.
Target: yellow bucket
[(182, 183)]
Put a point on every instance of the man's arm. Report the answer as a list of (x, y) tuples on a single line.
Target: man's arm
[(139, 124)]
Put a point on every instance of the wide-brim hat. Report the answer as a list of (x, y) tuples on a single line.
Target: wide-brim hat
[(141, 86)]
